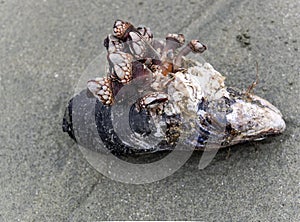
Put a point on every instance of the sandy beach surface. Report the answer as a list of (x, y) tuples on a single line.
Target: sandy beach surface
[(45, 46)]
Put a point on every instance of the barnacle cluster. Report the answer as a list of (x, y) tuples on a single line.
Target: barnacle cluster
[(133, 52)]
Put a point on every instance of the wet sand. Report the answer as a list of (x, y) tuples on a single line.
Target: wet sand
[(45, 47)]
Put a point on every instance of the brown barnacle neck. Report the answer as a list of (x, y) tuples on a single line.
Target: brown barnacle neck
[(173, 42), (146, 33), (194, 46)]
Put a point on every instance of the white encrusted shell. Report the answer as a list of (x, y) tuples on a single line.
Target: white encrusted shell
[(249, 116)]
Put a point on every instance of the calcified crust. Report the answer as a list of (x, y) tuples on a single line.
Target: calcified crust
[(240, 116), (190, 98)]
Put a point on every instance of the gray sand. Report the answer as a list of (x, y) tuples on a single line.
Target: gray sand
[(46, 45)]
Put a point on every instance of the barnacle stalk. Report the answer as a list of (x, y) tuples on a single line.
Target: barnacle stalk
[(173, 42), (194, 46)]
